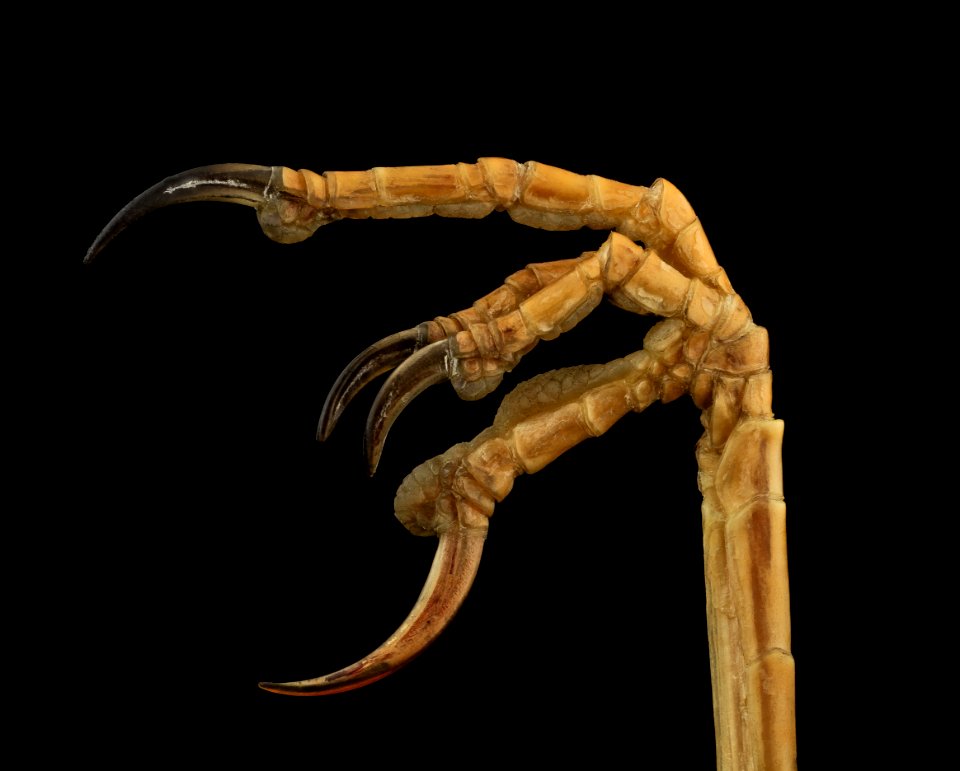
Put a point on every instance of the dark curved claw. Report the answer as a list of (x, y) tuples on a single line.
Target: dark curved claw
[(450, 578), (382, 356), (233, 182), (428, 366)]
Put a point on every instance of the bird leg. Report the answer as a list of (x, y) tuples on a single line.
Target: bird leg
[(707, 346)]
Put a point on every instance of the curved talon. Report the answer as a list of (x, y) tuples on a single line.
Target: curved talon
[(428, 366), (382, 356), (451, 576), (232, 182)]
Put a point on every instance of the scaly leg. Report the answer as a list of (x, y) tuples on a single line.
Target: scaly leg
[(710, 348), (748, 605)]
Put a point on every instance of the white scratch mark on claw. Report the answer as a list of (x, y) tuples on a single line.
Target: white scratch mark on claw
[(198, 182)]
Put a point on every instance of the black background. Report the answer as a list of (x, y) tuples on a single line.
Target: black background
[(218, 544)]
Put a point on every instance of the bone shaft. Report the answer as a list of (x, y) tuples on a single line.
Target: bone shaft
[(748, 607)]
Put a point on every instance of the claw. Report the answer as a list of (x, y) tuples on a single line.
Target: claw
[(382, 356), (428, 366), (451, 576), (233, 182)]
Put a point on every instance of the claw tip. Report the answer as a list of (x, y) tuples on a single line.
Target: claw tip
[(372, 449), (92, 251)]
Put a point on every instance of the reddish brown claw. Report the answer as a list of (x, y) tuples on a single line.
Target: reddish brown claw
[(451, 576)]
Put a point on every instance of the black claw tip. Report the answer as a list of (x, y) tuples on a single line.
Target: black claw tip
[(427, 367), (234, 182), (380, 357)]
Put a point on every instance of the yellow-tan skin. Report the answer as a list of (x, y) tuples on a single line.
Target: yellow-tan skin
[(707, 346)]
